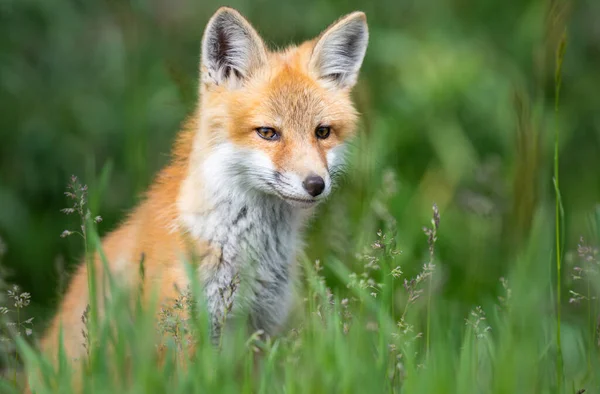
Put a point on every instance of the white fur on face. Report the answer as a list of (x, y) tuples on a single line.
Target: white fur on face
[(231, 169)]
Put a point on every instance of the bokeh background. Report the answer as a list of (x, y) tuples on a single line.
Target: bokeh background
[(457, 103)]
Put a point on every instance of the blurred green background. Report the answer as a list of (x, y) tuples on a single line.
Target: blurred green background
[(457, 103)]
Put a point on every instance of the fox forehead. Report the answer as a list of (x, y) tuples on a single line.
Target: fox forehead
[(284, 95)]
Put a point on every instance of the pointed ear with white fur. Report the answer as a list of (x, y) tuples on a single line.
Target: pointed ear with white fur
[(339, 51), (231, 49)]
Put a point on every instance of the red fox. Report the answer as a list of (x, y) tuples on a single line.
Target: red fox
[(262, 149)]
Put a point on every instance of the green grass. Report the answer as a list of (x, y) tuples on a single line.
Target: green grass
[(460, 106), (559, 212), (366, 336)]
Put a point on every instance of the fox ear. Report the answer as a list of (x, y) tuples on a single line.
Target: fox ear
[(231, 49), (339, 51)]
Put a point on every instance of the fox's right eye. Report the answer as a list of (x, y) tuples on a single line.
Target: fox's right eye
[(267, 133)]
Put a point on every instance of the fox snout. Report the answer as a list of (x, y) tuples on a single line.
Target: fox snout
[(296, 187), (305, 174), (314, 185)]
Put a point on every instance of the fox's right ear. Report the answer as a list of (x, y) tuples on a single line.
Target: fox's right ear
[(231, 49)]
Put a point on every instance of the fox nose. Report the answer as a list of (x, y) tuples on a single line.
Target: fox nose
[(314, 185)]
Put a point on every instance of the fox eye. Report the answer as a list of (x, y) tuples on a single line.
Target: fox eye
[(267, 133), (323, 132)]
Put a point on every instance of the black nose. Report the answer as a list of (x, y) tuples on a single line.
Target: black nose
[(314, 185)]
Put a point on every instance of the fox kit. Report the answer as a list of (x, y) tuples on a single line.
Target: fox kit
[(260, 152)]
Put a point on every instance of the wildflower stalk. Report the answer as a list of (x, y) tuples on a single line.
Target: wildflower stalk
[(557, 82), (478, 323), (432, 237), (78, 192), (392, 300), (428, 315), (590, 324), (21, 300), (91, 274), (17, 353), (476, 369)]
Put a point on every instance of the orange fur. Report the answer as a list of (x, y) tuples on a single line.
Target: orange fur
[(284, 94), (146, 235)]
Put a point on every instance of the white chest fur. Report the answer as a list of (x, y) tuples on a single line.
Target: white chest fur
[(256, 239)]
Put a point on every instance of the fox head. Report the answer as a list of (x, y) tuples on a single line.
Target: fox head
[(276, 122)]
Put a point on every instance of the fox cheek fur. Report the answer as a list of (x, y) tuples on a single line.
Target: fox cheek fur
[(263, 147), (292, 93)]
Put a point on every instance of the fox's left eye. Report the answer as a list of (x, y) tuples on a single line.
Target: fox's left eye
[(323, 132)]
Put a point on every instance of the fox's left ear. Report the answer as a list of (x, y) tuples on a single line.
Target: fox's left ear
[(339, 51)]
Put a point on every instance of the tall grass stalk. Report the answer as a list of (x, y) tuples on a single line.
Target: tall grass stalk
[(428, 329), (590, 325), (17, 353), (89, 259), (79, 194), (432, 238), (557, 82)]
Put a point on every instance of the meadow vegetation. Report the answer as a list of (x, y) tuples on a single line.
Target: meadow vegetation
[(460, 254)]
